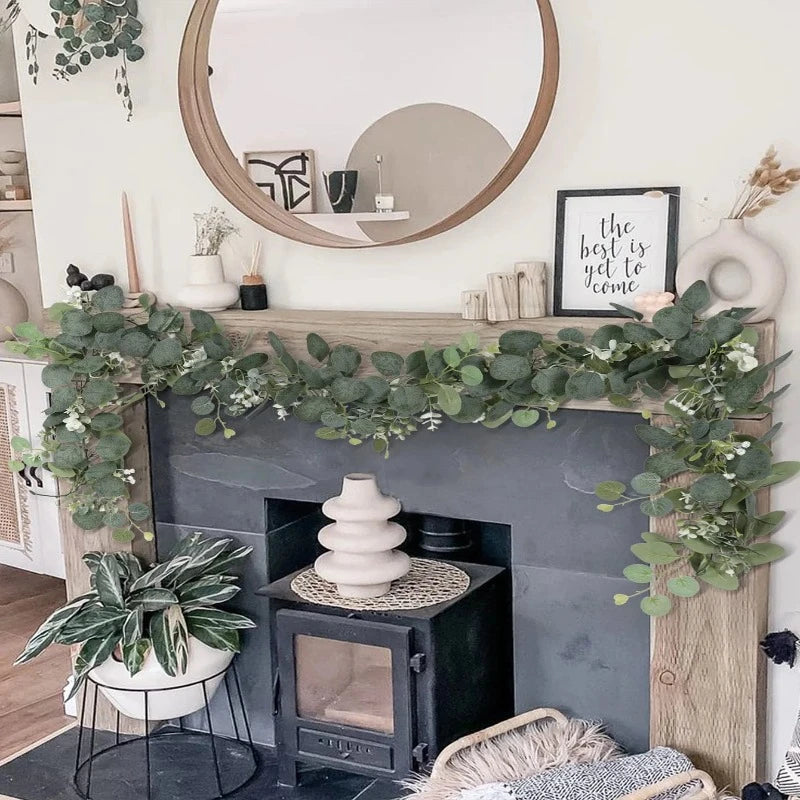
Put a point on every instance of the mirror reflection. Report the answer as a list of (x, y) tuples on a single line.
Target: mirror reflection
[(374, 119)]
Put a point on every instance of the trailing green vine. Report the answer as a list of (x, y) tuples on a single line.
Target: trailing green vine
[(708, 370), (88, 31)]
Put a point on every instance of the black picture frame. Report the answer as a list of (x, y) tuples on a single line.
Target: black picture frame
[(671, 244)]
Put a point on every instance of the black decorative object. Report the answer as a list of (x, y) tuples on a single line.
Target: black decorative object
[(781, 647), (230, 763), (442, 537), (762, 791), (77, 278), (612, 244), (341, 185), (253, 297), (373, 692)]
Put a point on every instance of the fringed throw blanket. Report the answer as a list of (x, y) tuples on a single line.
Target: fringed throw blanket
[(605, 780)]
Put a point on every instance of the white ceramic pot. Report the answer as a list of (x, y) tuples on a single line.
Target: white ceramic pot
[(740, 269), (207, 289), (362, 562), (13, 309), (204, 661)]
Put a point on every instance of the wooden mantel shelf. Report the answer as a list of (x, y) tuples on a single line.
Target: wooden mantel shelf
[(403, 332)]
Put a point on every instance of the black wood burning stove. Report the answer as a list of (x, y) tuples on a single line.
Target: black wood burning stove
[(382, 693)]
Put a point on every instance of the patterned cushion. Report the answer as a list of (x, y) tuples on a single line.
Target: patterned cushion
[(605, 780)]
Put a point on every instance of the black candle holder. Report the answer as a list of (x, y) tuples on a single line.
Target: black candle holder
[(254, 297)]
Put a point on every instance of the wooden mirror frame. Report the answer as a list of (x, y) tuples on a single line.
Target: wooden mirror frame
[(227, 174)]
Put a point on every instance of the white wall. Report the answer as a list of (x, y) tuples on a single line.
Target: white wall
[(651, 93), (343, 69)]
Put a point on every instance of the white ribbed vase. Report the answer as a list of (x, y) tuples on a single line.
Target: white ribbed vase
[(363, 561), (207, 289)]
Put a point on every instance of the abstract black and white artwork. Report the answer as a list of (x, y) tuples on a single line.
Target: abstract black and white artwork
[(286, 176), (611, 245)]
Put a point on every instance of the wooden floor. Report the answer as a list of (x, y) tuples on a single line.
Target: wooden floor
[(31, 705)]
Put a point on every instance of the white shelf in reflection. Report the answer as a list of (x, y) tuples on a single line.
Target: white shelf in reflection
[(347, 224)]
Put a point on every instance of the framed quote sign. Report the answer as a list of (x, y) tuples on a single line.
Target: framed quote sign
[(611, 245)]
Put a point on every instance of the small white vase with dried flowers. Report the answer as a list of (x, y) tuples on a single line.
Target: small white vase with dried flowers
[(207, 288), (732, 245)]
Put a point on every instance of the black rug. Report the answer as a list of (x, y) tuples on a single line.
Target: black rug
[(180, 768)]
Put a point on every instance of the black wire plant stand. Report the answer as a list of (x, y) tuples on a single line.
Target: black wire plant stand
[(233, 764)]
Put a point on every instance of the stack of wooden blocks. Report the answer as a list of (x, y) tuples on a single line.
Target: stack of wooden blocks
[(521, 294)]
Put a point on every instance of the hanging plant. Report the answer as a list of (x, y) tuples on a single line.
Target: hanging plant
[(88, 32), (707, 370)]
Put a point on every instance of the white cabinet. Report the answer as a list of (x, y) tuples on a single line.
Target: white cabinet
[(30, 535)]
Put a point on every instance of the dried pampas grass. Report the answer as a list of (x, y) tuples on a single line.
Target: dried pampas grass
[(766, 184)]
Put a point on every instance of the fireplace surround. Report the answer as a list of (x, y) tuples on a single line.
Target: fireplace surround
[(690, 705)]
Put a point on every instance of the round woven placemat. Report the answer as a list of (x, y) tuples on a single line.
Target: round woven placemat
[(427, 583)]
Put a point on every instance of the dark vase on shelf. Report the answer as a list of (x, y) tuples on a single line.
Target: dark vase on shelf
[(341, 185), (253, 293)]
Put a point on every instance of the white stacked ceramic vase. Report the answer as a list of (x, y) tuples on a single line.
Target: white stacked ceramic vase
[(362, 561), (207, 289)]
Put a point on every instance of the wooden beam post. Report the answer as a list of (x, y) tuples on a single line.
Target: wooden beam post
[(708, 689), (77, 542)]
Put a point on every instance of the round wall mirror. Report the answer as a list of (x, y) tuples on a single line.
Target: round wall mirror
[(358, 123)]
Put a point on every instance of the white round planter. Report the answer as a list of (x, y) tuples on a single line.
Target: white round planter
[(207, 289), (732, 249), (204, 662), (13, 309), (362, 562)]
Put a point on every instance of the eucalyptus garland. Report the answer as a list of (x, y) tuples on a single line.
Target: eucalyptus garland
[(88, 31), (708, 370)]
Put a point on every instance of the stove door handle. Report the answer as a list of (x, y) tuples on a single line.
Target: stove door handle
[(276, 694)]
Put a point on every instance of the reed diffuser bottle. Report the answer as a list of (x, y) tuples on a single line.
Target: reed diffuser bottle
[(253, 290)]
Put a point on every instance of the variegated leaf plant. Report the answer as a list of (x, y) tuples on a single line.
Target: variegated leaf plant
[(132, 611)]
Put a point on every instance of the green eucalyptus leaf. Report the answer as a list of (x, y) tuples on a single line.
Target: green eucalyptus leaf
[(722, 328), (202, 321), (139, 512), (655, 552), (166, 353), (113, 446), (657, 605), (551, 382), (639, 573), (696, 297), (657, 507), (408, 401), (98, 392), (471, 375), (449, 400), (586, 386), (648, 483), (136, 344), (55, 375), (510, 368), (317, 347), (76, 323), (389, 364), (520, 343), (345, 359), (711, 490), (203, 406), (525, 417), (665, 464), (610, 490), (571, 335), (205, 427), (673, 323)]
